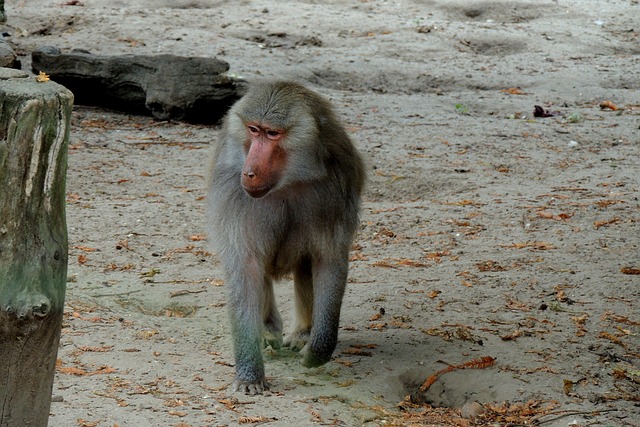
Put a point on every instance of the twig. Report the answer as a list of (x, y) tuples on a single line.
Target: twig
[(185, 292), (117, 294), (482, 363)]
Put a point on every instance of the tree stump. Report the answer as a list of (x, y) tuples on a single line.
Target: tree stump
[(34, 135)]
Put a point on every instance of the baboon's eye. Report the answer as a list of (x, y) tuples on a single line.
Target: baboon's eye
[(273, 134)]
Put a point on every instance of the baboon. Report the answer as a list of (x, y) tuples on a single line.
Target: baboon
[(284, 197)]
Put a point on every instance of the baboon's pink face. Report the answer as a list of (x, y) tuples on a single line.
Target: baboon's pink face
[(265, 159)]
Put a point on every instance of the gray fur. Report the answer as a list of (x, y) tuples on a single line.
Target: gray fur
[(304, 225)]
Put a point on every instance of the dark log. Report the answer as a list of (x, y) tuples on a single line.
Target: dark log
[(34, 135), (166, 86)]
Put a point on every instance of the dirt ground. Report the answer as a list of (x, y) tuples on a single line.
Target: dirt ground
[(486, 231)]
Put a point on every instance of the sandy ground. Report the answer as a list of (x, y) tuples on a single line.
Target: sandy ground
[(486, 232)]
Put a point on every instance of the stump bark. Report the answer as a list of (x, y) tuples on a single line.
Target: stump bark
[(34, 134)]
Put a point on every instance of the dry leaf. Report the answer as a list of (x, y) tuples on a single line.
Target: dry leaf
[(608, 104), (254, 420), (411, 263), (346, 363), (371, 346), (513, 91), (515, 334), (437, 256), (542, 246), (629, 270), (377, 326), (352, 351), (186, 292), (42, 77), (614, 220), (580, 321), (85, 248), (72, 371), (316, 416), (607, 203), (611, 338), (386, 233), (96, 349), (560, 217), (435, 332), (376, 316), (173, 403), (517, 305), (83, 373), (434, 294), (397, 323), (490, 266), (466, 203), (358, 256), (147, 334), (383, 264), (619, 318), (567, 388)]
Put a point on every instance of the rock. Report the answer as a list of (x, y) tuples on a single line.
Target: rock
[(3, 17), (193, 89), (8, 57), (471, 410)]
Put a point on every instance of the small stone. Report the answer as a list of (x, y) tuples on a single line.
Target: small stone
[(471, 410), (57, 398), (8, 58)]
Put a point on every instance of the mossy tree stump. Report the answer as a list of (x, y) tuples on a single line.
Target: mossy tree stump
[(34, 135)]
